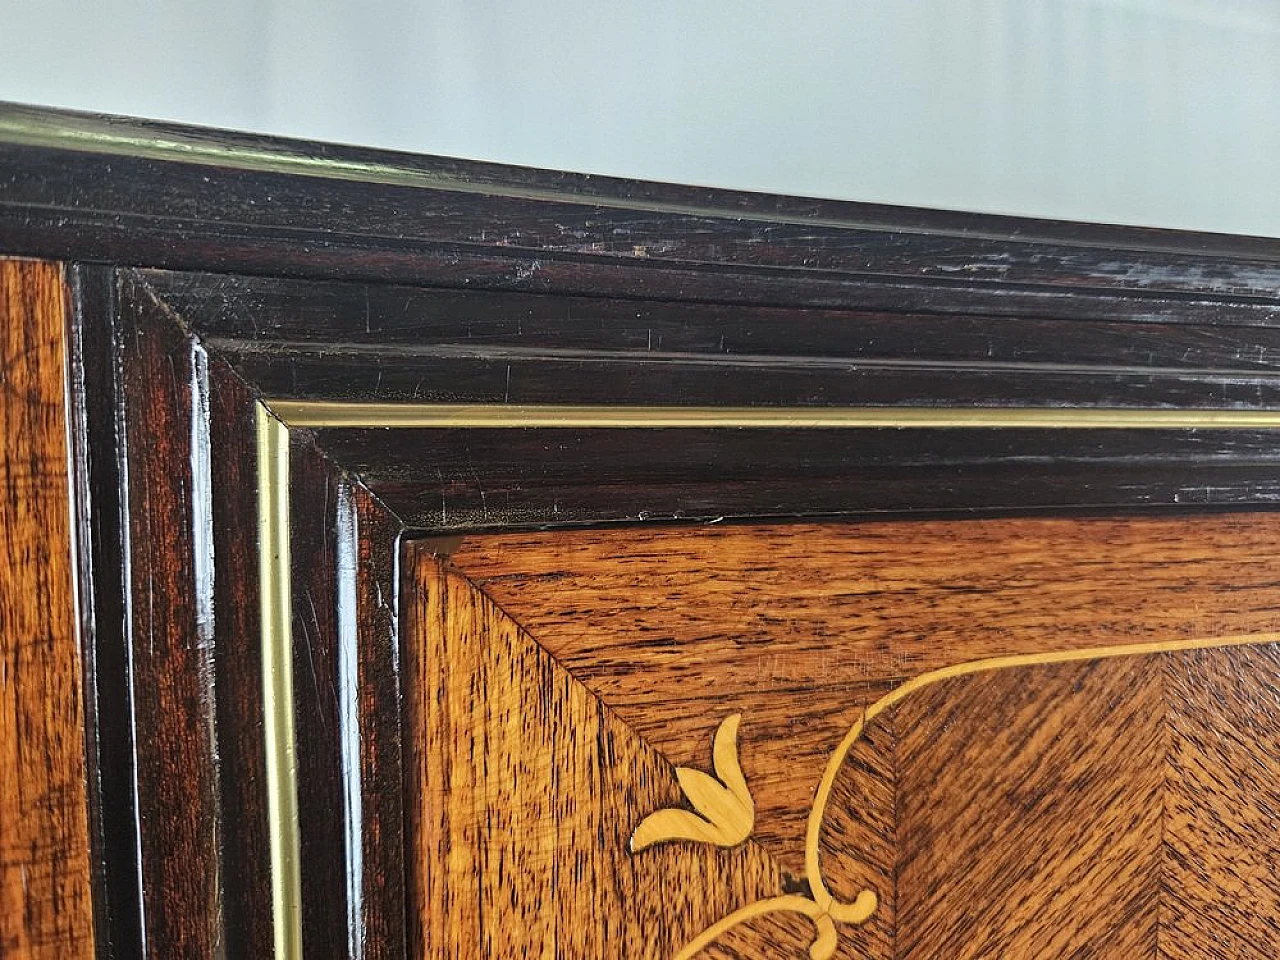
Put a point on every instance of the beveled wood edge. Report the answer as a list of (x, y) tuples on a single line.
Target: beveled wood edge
[(103, 295), (80, 131), (131, 192)]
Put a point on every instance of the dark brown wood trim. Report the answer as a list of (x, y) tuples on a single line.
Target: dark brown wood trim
[(167, 474), (369, 342), (87, 187)]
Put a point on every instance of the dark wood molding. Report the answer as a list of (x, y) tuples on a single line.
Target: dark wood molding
[(353, 341), (79, 186), (169, 518)]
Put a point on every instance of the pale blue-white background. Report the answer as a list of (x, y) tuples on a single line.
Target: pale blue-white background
[(1158, 112)]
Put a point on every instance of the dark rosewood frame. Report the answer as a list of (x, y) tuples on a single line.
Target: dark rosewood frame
[(213, 271)]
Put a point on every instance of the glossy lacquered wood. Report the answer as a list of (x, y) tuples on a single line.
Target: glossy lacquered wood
[(169, 449), (216, 273), (362, 343), (46, 898), (1112, 806), (157, 194)]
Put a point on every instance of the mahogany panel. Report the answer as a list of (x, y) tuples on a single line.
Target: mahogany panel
[(1120, 805), (1220, 869), (1030, 812), (800, 625), (526, 789), (46, 896)]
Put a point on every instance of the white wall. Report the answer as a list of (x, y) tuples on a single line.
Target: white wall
[(1159, 112)]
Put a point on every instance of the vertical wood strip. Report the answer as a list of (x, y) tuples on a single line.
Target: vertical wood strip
[(382, 918), (325, 851), (346, 704), (45, 895), (1220, 867), (169, 640), (242, 768)]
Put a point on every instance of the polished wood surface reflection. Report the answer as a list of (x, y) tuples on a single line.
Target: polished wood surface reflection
[(548, 687), (45, 902), (1114, 806)]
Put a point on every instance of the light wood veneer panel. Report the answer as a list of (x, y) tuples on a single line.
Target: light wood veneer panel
[(526, 790), (800, 625), (1029, 813), (1221, 865)]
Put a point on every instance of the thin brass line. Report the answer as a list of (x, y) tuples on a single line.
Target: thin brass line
[(499, 416), (277, 682)]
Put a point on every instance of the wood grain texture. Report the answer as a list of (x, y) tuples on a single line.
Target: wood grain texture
[(1117, 807), (46, 908), (526, 789), (799, 625), (1029, 811), (1220, 870)]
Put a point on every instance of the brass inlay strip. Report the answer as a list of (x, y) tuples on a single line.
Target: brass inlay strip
[(277, 682), (497, 416), (821, 907)]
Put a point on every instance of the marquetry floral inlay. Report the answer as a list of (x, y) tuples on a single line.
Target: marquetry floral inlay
[(724, 813), (725, 816)]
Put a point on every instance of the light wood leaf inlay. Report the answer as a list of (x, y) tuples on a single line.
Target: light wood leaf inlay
[(724, 811)]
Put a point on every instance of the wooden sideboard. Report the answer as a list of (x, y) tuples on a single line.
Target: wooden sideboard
[(416, 558)]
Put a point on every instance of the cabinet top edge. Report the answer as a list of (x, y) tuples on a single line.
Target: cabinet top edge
[(30, 134)]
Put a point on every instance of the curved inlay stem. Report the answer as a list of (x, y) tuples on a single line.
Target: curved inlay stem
[(785, 904), (821, 906)]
